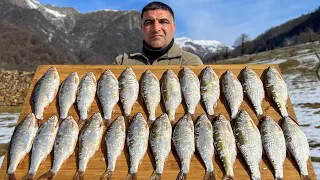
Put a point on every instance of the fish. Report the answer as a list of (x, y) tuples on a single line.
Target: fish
[(64, 145), (225, 145), (274, 144), (67, 94), (297, 144), (160, 142), (204, 144), (137, 143), (150, 92), (129, 90), (253, 88), (190, 88), (170, 93), (43, 144), (21, 143), (89, 143), (85, 95), (233, 92), (108, 93), (210, 89), (183, 142), (45, 91), (114, 141), (277, 89), (248, 140)]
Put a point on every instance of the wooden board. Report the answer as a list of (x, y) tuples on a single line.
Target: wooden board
[(97, 165)]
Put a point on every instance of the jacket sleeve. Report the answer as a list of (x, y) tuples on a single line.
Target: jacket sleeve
[(192, 59), (118, 60)]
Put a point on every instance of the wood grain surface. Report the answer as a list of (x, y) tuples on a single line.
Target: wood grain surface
[(97, 164)]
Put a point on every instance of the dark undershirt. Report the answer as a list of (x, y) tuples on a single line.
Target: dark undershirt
[(154, 53)]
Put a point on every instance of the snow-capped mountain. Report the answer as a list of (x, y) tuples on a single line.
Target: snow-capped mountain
[(200, 47), (64, 19)]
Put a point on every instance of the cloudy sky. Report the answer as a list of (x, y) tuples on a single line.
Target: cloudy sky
[(222, 20)]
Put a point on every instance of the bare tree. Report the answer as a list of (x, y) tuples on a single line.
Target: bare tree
[(241, 42)]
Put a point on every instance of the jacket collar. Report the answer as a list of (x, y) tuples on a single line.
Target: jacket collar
[(174, 52)]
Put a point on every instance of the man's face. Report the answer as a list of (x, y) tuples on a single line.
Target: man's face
[(158, 28)]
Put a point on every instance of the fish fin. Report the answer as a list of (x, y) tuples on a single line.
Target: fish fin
[(305, 177), (81, 123), (181, 176), (132, 176), (29, 176), (40, 123), (10, 176), (209, 176), (48, 175), (107, 174), (155, 176), (227, 177), (78, 175)]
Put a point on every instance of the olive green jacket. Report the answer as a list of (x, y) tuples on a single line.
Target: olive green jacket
[(175, 56)]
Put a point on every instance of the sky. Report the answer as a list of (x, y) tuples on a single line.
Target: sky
[(221, 20)]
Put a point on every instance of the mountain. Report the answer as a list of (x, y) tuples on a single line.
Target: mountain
[(200, 47), (33, 34), (305, 28)]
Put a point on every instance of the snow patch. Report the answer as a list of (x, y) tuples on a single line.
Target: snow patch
[(33, 4), (55, 13)]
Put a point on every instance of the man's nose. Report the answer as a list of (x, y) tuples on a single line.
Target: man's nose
[(156, 26)]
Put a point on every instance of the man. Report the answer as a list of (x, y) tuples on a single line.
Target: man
[(158, 27)]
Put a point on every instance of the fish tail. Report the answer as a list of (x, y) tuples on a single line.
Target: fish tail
[(29, 176), (155, 176), (78, 175), (305, 177), (209, 176), (228, 177), (47, 175), (132, 176), (11, 176), (107, 174), (182, 176)]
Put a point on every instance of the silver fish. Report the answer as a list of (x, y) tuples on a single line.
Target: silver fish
[(85, 95), (137, 142), (274, 144), (160, 141), (68, 94), (171, 93), (253, 88), (297, 144), (183, 141), (248, 140), (129, 90), (190, 87), (43, 144), (64, 145), (108, 93), (232, 91), (114, 141), (204, 144), (210, 89), (21, 143), (224, 143), (45, 91), (150, 92), (277, 89), (89, 143)]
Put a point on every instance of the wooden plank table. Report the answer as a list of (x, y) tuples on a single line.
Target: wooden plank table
[(97, 165)]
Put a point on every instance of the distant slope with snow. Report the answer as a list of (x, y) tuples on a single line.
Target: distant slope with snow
[(200, 47)]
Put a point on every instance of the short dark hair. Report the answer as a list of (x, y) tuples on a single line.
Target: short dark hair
[(157, 5)]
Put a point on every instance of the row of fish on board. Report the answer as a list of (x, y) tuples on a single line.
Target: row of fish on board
[(186, 137)]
